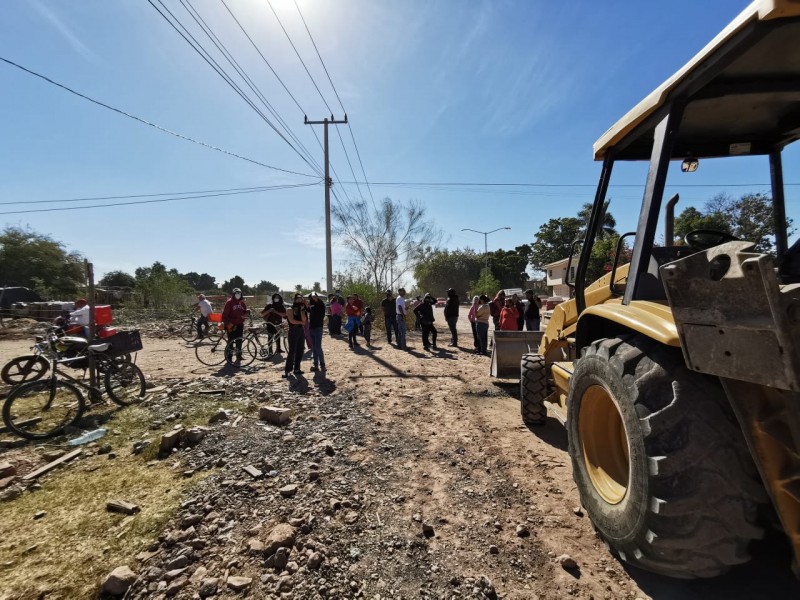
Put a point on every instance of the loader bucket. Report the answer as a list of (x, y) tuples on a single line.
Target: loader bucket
[(509, 346)]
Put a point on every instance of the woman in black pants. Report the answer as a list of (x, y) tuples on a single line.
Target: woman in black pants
[(297, 318)]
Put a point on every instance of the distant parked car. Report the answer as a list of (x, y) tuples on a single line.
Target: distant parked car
[(441, 301)]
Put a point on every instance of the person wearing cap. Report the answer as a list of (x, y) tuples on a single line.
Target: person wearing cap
[(316, 319), (451, 315), (204, 306), (390, 316), (233, 316)]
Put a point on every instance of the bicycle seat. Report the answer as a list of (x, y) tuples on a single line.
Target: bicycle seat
[(99, 347)]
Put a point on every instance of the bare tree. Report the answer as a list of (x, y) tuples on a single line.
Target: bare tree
[(386, 241)]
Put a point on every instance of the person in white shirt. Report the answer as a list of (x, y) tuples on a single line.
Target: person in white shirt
[(80, 316), (400, 305), (204, 306)]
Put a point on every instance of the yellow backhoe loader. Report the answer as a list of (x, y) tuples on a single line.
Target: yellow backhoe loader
[(677, 375)]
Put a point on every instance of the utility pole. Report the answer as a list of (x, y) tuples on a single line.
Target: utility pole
[(485, 235), (328, 183)]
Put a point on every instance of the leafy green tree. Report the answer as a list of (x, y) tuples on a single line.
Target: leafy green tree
[(553, 241), (157, 287), (508, 266), (748, 218), (691, 219), (602, 257), (201, 281), (28, 258), (118, 279), (439, 270), (236, 282), (485, 284), (266, 286)]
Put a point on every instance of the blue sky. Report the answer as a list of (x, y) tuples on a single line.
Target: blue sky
[(436, 91)]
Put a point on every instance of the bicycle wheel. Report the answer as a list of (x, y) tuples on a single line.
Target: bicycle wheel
[(188, 331), (258, 346), (231, 354), (124, 383), (211, 352), (42, 409), (29, 367)]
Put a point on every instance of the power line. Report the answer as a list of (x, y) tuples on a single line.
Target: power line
[(205, 55), (140, 120), (94, 198), (193, 12), (63, 208), (322, 62), (302, 62), (275, 73), (559, 185)]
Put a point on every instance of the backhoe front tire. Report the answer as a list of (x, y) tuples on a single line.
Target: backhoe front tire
[(533, 389), (660, 463)]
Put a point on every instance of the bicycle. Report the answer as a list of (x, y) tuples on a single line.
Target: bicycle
[(187, 331), (45, 408), (258, 344), (54, 345)]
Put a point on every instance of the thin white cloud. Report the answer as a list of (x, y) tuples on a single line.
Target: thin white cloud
[(308, 232), (61, 27)]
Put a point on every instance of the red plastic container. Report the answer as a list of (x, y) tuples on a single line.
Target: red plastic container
[(215, 318), (102, 314), (105, 332)]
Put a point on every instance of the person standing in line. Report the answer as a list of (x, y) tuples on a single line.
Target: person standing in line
[(402, 311), (316, 319), (297, 317), (496, 306), (520, 312), (353, 313), (417, 301), (335, 322), (367, 324), (307, 326), (390, 316), (274, 313), (451, 315), (233, 316), (482, 315), (424, 311), (532, 318), (204, 306), (360, 304), (472, 322), (509, 316)]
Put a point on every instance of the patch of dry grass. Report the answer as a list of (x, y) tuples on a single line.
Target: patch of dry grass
[(66, 553)]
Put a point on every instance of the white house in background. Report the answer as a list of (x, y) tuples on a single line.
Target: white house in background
[(556, 277)]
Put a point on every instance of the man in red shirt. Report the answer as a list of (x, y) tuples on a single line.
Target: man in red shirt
[(233, 316)]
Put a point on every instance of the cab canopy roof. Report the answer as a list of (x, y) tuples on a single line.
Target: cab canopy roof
[(741, 92)]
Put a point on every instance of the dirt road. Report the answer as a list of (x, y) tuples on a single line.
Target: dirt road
[(445, 446)]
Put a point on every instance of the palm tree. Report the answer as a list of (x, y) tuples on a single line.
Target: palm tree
[(608, 223)]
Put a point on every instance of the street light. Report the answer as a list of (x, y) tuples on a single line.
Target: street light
[(485, 235)]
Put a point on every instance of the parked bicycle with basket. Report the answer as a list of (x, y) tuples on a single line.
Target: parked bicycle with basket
[(46, 407)]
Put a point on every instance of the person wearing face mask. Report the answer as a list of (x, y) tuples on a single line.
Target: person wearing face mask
[(297, 317), (274, 313), (233, 316)]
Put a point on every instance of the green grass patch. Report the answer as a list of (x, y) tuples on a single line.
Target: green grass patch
[(66, 553)]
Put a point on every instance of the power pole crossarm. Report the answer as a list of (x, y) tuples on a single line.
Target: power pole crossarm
[(328, 183)]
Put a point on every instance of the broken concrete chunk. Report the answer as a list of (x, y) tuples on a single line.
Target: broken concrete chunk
[(275, 415)]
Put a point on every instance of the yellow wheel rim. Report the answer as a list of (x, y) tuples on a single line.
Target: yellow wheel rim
[(604, 443)]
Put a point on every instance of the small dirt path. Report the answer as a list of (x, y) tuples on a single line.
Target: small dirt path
[(448, 441)]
